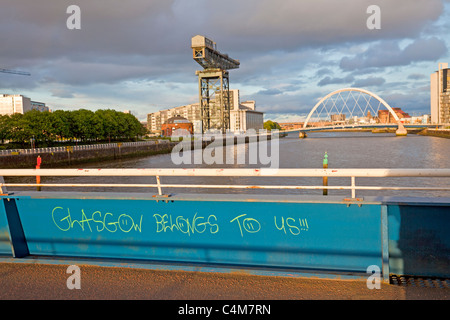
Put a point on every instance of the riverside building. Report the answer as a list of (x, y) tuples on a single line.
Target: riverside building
[(440, 95), (243, 116), (10, 104)]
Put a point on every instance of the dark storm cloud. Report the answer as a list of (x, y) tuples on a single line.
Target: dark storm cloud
[(277, 42), (129, 30), (329, 80), (417, 76), (270, 92), (293, 24), (369, 82)]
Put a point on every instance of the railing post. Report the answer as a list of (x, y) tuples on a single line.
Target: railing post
[(3, 189), (158, 182), (353, 188), (385, 243)]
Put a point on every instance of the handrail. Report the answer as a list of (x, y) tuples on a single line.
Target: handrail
[(228, 172), (231, 172), (80, 147)]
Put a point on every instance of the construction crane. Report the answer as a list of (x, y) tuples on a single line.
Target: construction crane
[(23, 73), (206, 54), (213, 82)]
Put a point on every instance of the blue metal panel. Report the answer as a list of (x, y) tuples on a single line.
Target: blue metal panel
[(5, 244), (19, 245), (319, 236), (419, 239)]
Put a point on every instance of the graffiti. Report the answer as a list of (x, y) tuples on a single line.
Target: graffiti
[(249, 225), (99, 221), (291, 225), (198, 224), (96, 221)]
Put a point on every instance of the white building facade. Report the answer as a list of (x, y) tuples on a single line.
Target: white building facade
[(440, 95), (10, 104)]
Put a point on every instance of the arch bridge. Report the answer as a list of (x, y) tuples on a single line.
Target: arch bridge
[(352, 108)]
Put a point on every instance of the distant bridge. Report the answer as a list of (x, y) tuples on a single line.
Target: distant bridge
[(345, 107), (360, 126)]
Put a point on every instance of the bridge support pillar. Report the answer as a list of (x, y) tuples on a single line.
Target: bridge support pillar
[(302, 135), (401, 131)]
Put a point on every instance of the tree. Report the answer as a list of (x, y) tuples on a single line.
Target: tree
[(36, 126), (86, 125), (135, 128), (19, 131), (271, 125), (108, 119), (80, 124), (60, 124), (4, 128)]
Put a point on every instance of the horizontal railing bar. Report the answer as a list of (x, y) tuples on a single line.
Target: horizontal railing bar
[(82, 147), (206, 186), (240, 172)]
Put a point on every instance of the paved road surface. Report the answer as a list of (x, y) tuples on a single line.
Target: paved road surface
[(47, 281)]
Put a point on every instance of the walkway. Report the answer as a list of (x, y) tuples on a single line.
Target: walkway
[(42, 281)]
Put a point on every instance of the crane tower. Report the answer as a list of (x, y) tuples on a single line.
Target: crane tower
[(213, 83)]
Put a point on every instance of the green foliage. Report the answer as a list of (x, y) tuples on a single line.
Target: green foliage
[(270, 125), (84, 125)]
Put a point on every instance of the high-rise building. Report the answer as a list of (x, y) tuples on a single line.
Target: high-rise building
[(440, 95)]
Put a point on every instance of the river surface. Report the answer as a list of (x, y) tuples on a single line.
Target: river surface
[(344, 150)]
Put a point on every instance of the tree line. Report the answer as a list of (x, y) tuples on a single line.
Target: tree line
[(44, 128)]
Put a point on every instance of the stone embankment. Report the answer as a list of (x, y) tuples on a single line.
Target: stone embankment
[(52, 157), (71, 155), (442, 133)]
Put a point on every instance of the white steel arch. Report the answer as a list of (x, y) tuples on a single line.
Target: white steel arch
[(384, 103)]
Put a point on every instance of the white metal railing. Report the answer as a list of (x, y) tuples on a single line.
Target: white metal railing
[(81, 147), (206, 172)]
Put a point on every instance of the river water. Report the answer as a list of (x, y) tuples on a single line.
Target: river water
[(344, 150)]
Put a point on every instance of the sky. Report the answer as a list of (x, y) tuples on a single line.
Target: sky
[(136, 54)]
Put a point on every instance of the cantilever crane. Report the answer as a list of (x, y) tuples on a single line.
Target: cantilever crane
[(23, 73), (213, 83)]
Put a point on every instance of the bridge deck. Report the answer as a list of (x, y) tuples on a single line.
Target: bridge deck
[(48, 281), (361, 126)]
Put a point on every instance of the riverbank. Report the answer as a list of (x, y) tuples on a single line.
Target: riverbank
[(52, 157), (73, 155), (441, 133)]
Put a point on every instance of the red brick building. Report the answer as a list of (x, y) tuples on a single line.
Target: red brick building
[(291, 125), (386, 117), (177, 125)]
